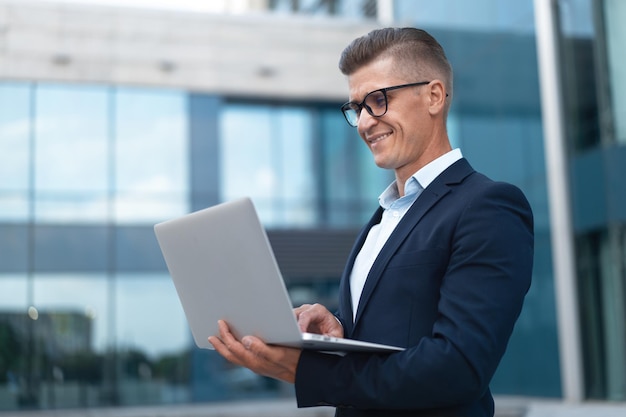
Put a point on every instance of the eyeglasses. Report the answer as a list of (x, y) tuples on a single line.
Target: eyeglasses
[(374, 102)]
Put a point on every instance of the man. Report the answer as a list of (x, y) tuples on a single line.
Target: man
[(442, 267)]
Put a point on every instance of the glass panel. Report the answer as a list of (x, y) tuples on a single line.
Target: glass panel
[(613, 310), (68, 331), (476, 15), (151, 153), (591, 300), (152, 340), (577, 50), (247, 157), (344, 8), (273, 165), (15, 130), (297, 178), (147, 310), (71, 153), (80, 296), (339, 143), (615, 15), (576, 18), (14, 331), (13, 293)]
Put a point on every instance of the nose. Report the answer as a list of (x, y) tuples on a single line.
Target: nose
[(366, 120)]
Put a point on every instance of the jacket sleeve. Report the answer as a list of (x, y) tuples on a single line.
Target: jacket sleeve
[(481, 296)]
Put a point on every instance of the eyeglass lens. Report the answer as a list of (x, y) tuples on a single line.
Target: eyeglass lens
[(375, 103)]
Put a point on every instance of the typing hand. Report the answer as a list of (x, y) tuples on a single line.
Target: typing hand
[(315, 318)]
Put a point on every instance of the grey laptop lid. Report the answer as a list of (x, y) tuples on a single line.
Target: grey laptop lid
[(223, 267)]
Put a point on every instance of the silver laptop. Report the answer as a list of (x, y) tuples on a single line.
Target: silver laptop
[(223, 267)]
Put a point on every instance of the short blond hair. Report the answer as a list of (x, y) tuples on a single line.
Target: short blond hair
[(415, 52)]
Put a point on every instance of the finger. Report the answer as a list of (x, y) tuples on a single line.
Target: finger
[(298, 310), (260, 350), (229, 339), (335, 328), (227, 345), (225, 333), (218, 345), (223, 350), (303, 322), (310, 317)]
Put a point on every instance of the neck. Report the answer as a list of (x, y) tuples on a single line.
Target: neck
[(404, 173)]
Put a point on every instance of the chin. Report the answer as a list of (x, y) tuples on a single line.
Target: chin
[(382, 164)]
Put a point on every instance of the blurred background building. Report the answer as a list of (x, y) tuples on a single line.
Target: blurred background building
[(113, 118)]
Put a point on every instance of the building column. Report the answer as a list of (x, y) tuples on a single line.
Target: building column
[(561, 228)]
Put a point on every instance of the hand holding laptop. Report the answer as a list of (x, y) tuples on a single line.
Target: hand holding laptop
[(278, 362)]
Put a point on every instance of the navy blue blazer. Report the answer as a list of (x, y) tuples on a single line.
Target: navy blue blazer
[(448, 285)]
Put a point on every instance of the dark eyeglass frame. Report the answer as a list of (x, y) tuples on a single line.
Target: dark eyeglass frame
[(356, 108)]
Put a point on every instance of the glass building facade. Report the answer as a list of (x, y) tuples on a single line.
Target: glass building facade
[(88, 314), (88, 170)]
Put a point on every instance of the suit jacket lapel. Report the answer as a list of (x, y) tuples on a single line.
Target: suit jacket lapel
[(429, 197)]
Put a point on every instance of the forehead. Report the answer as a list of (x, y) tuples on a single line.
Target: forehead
[(378, 74)]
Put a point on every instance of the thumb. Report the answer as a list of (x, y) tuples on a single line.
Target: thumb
[(253, 344), (247, 342)]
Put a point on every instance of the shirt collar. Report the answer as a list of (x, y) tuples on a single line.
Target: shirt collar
[(421, 179), (430, 171)]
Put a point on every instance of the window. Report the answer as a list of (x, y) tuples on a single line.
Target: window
[(70, 153), (151, 155), (15, 134), (267, 154)]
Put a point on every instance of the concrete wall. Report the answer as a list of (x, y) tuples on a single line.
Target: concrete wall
[(253, 55)]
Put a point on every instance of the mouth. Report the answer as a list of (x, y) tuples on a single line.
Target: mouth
[(377, 138)]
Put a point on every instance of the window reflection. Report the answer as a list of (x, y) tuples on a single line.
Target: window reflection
[(90, 142), (614, 14), (477, 15), (298, 191), (297, 174), (152, 340), (151, 155), (81, 300), (145, 306), (578, 46), (47, 331), (92, 340), (13, 293), (71, 153), (78, 339), (14, 151), (267, 154)]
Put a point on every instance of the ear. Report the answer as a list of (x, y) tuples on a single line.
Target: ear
[(437, 97)]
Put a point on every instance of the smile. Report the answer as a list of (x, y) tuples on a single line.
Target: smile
[(378, 138)]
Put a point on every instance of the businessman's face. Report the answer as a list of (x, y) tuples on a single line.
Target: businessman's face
[(400, 138)]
